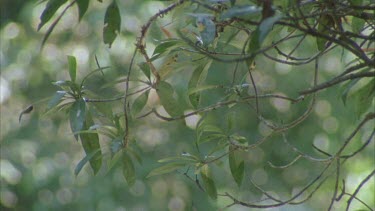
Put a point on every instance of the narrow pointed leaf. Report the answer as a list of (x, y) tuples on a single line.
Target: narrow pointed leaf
[(236, 167), (56, 99), (140, 103), (208, 182), (82, 7), (90, 143), (260, 34), (77, 116), (197, 79), (72, 66), (238, 11), (167, 168), (128, 169), (112, 23), (51, 8), (85, 160)]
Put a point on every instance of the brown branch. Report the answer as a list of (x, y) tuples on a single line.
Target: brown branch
[(336, 81)]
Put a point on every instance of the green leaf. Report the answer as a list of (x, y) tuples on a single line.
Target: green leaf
[(364, 97), (112, 23), (72, 64), (140, 103), (51, 8), (67, 85), (347, 89), (261, 32), (357, 24), (182, 159), (128, 169), (90, 143), (167, 168), (237, 165), (145, 69), (208, 182), (165, 46), (82, 7), (202, 88), (169, 102), (238, 11), (83, 162), (325, 22), (197, 78), (77, 116), (56, 99)]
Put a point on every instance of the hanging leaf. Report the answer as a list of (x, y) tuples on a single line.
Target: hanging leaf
[(237, 165), (357, 24), (364, 97), (197, 78), (128, 169), (347, 89), (145, 69), (25, 111), (208, 182), (77, 116), (112, 23), (140, 103), (72, 66), (51, 8), (239, 11), (167, 168), (168, 101), (261, 32), (90, 143), (82, 7), (83, 162)]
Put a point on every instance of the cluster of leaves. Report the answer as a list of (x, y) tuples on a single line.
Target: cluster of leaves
[(211, 32)]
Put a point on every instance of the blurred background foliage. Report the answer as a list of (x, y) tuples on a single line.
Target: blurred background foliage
[(39, 154)]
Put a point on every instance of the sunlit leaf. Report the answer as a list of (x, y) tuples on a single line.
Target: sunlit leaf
[(83, 162), (236, 165), (208, 182), (167, 168), (51, 8), (128, 169), (357, 24), (202, 88), (112, 23), (90, 143), (77, 116), (238, 11), (72, 66), (197, 79), (56, 99), (165, 92), (168, 66), (82, 7), (67, 85), (139, 103)]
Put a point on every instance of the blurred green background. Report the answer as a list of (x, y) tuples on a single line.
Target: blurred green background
[(38, 155)]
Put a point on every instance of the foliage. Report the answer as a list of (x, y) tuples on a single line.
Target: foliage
[(213, 64)]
